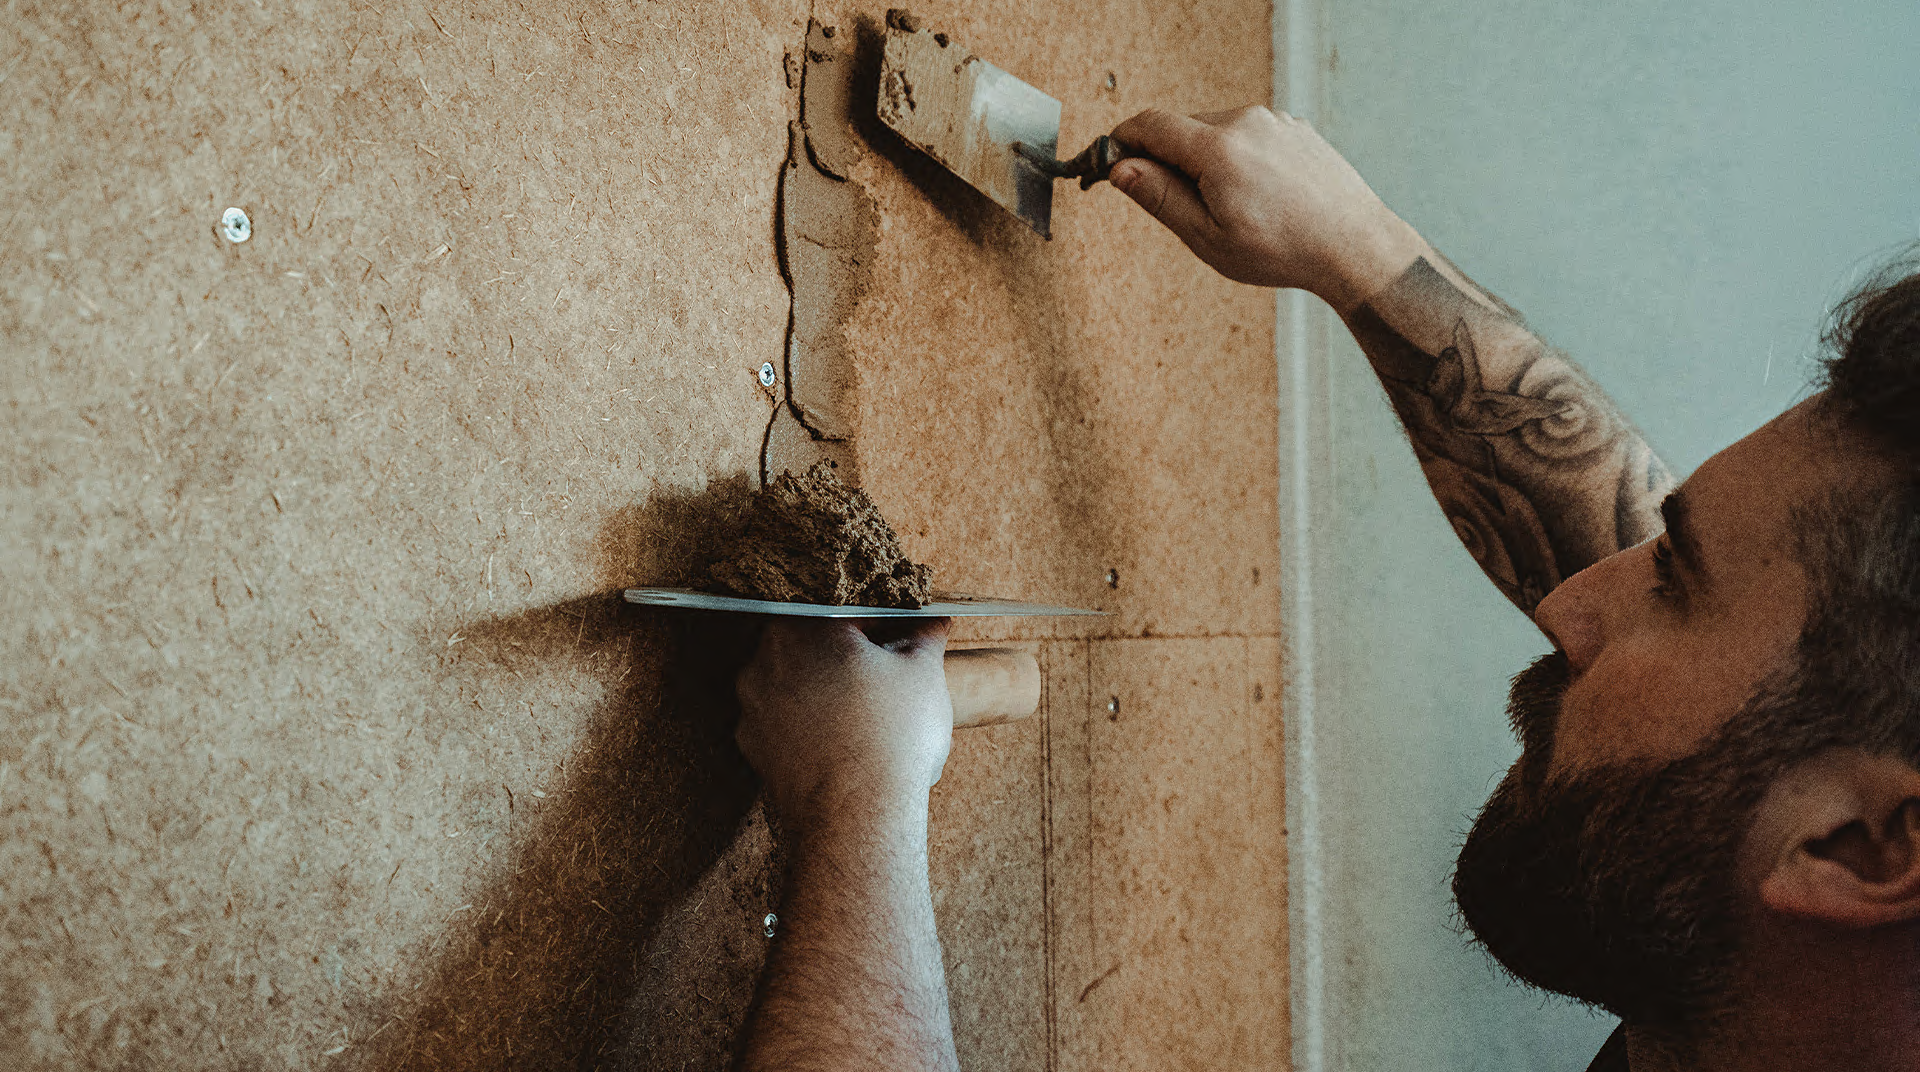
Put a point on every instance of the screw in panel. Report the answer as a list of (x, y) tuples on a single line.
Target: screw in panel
[(235, 225)]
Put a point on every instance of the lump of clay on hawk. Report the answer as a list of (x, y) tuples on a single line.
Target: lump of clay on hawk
[(813, 539)]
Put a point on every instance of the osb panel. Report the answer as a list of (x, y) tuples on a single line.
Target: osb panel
[(1187, 856), (317, 729), (986, 854), (325, 740)]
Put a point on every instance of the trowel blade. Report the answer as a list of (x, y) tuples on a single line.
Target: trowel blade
[(967, 114), (946, 605)]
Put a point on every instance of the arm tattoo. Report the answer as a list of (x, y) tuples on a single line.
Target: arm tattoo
[(1538, 472)]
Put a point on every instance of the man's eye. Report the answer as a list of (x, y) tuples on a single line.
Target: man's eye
[(1663, 568)]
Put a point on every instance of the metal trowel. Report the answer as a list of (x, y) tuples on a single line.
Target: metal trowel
[(988, 685), (981, 123)]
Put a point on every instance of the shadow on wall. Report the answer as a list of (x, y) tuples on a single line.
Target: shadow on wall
[(624, 931)]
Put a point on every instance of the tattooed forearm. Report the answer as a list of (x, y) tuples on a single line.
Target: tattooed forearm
[(1537, 470)]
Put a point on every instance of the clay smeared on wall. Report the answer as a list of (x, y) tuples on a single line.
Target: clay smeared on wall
[(827, 227)]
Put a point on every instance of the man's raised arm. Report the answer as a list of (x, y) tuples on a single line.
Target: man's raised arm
[(1538, 471)]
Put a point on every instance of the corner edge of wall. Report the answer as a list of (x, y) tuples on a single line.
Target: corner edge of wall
[(1301, 49)]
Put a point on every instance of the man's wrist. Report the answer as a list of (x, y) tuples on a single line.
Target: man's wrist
[(835, 809), (1368, 260)]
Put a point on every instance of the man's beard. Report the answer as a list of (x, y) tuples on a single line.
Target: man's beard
[(1614, 885)]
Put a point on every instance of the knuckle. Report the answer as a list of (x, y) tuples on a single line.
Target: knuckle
[(1144, 120), (747, 689)]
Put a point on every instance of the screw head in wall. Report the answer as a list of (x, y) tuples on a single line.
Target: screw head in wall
[(235, 225), (767, 374)]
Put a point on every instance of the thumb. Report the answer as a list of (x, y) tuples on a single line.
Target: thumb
[(1168, 196), (914, 638), (929, 638)]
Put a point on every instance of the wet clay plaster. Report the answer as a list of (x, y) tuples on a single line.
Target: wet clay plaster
[(813, 539), (827, 237)]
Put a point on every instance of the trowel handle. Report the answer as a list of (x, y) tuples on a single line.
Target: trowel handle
[(992, 685), (1099, 159), (1091, 166)]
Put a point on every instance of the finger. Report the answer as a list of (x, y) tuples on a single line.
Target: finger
[(1237, 117), (791, 637), (897, 635), (774, 641), (843, 636), (1219, 119), (749, 684), (764, 647), (927, 638), (1169, 197), (746, 729), (1179, 140), (747, 737), (756, 627)]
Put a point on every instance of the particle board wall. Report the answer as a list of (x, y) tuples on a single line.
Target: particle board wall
[(325, 740)]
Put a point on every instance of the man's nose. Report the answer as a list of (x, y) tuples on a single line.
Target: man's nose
[(1571, 618)]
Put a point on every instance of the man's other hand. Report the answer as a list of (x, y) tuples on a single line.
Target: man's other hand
[(831, 719), (1265, 200)]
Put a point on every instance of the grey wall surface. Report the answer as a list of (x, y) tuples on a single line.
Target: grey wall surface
[(1673, 192)]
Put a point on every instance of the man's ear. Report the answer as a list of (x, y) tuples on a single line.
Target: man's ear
[(1841, 838)]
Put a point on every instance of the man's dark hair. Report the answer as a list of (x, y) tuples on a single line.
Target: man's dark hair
[(1872, 371), (1859, 665)]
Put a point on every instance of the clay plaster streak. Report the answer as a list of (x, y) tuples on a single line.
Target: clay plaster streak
[(826, 251)]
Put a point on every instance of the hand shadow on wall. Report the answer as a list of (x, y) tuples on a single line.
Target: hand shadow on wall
[(624, 930)]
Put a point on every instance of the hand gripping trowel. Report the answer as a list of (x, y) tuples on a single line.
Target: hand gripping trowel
[(981, 123), (989, 685)]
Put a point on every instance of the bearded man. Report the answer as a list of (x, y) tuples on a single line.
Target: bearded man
[(1713, 830)]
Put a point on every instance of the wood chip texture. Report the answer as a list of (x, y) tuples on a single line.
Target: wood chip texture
[(325, 738)]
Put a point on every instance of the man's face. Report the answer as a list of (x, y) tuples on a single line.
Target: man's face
[(1666, 640), (1604, 865)]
